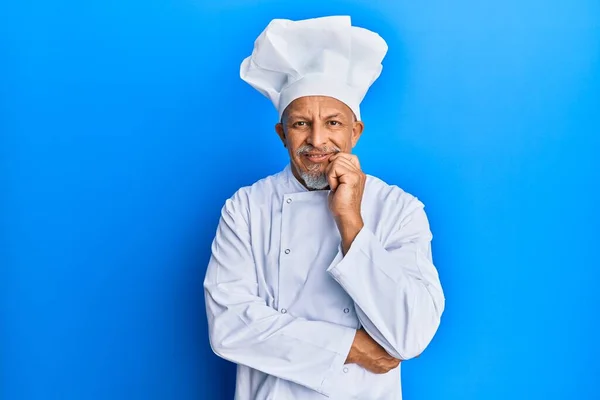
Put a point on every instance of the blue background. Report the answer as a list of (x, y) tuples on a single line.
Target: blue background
[(124, 127)]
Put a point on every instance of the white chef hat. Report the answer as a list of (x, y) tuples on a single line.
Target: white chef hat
[(314, 57)]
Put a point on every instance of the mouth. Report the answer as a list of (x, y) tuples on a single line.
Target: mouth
[(317, 157)]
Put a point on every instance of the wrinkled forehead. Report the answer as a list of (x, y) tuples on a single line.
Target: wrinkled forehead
[(317, 107)]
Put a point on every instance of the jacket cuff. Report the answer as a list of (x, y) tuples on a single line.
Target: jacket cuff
[(328, 386), (341, 263)]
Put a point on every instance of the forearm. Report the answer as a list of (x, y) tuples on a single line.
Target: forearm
[(397, 304), (246, 331), (349, 228)]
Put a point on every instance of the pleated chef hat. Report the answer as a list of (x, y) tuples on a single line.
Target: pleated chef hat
[(314, 57)]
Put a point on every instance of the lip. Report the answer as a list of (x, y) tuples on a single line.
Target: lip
[(317, 157)]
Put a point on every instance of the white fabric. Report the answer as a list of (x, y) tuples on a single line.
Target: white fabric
[(284, 303), (315, 57)]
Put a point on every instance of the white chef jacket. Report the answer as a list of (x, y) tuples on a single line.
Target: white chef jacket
[(284, 303)]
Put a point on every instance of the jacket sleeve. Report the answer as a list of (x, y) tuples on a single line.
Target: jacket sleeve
[(395, 286), (245, 330)]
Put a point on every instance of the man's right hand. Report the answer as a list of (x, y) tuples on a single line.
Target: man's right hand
[(367, 353)]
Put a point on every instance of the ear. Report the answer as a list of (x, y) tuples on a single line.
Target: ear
[(281, 133), (357, 130)]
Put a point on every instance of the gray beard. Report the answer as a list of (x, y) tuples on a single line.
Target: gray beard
[(315, 181)]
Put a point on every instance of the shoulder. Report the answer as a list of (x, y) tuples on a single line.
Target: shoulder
[(379, 190), (257, 193), (391, 199)]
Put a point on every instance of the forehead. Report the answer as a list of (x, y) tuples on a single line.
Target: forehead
[(317, 106)]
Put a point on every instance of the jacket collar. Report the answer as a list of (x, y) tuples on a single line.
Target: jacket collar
[(292, 181)]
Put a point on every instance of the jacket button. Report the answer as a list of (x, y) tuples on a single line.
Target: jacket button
[(287, 251), (283, 310), (345, 370), (346, 310), (288, 201)]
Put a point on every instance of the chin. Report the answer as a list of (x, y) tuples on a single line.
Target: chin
[(315, 182)]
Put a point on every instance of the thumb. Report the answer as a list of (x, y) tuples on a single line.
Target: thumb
[(333, 182)]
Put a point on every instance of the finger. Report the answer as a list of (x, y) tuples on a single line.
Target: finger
[(342, 166), (393, 362), (349, 166), (391, 366), (339, 173), (356, 173), (348, 173), (335, 177), (333, 174), (333, 182), (331, 178), (353, 159), (347, 162)]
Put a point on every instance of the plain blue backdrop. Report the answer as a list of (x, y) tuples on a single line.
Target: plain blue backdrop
[(124, 127)]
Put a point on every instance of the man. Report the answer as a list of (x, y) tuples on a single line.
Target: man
[(321, 280)]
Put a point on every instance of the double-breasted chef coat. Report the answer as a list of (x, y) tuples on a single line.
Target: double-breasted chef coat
[(284, 303)]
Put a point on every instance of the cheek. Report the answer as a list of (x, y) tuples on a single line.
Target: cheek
[(343, 140), (294, 143)]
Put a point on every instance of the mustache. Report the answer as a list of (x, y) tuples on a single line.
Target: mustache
[(307, 148)]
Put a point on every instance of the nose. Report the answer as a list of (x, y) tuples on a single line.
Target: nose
[(318, 135)]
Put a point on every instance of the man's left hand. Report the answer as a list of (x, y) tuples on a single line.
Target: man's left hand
[(347, 184)]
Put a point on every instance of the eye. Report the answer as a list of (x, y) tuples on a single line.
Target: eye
[(335, 123), (299, 124)]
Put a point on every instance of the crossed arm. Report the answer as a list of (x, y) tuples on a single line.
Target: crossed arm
[(396, 292)]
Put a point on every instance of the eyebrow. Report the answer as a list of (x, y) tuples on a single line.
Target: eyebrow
[(301, 116), (296, 116)]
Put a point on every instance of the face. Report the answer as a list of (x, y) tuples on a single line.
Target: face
[(314, 128)]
